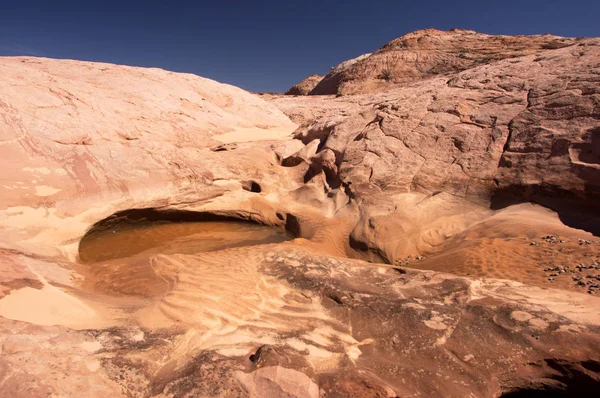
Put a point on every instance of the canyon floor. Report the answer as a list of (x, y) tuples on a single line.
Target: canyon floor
[(427, 225)]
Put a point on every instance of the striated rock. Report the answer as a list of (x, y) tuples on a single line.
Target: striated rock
[(497, 134), (81, 141), (441, 164), (329, 83), (428, 53), (305, 86), (433, 334)]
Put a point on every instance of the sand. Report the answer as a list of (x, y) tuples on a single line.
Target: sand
[(48, 306), (511, 245)]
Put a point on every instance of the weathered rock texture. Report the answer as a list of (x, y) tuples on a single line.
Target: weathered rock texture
[(75, 135), (519, 129), (305, 86), (335, 76), (438, 166), (428, 53)]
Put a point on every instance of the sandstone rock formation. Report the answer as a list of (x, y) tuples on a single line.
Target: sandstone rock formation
[(305, 86), (504, 133), (75, 133), (435, 173), (336, 75), (428, 53)]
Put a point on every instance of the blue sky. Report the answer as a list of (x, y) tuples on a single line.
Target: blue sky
[(261, 46)]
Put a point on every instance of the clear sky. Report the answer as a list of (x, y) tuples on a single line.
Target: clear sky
[(262, 45)]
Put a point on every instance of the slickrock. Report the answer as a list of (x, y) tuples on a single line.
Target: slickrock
[(466, 178), (81, 141), (329, 83), (428, 53), (305, 86), (420, 160)]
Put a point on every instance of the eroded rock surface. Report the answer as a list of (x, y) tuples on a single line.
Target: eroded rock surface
[(428, 53), (305, 86), (433, 173), (76, 135), (329, 83), (421, 159)]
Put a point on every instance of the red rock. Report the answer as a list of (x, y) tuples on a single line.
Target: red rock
[(305, 86), (425, 161)]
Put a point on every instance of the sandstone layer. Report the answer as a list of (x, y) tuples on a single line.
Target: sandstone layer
[(429, 53), (305, 86), (418, 156), (329, 83), (486, 178)]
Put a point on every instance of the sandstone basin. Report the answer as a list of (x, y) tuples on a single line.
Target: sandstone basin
[(430, 235)]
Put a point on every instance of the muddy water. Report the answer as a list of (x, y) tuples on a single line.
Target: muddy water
[(173, 238), (122, 261), (216, 280)]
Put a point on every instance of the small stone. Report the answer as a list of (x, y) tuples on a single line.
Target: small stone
[(266, 355)]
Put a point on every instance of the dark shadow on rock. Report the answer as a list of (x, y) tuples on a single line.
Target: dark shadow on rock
[(132, 219), (153, 216), (292, 225), (579, 210), (136, 217), (562, 379), (588, 152), (251, 186)]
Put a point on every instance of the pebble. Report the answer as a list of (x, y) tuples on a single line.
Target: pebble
[(591, 283), (552, 239), (408, 260)]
